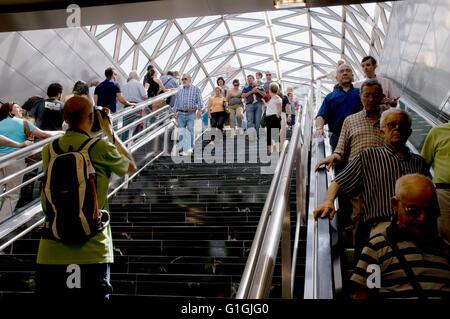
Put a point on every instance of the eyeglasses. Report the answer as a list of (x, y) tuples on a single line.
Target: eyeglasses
[(184, 79), (268, 74), (415, 211), (401, 125)]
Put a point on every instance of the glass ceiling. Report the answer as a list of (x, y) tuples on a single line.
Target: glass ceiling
[(295, 45)]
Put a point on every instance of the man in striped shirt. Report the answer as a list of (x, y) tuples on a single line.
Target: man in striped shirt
[(374, 173), (413, 232), (359, 132), (188, 101)]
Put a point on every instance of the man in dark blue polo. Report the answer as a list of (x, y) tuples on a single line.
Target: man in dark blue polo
[(108, 92), (339, 104)]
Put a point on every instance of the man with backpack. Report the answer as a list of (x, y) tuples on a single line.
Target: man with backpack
[(75, 250)]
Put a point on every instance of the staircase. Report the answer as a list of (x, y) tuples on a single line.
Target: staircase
[(180, 230)]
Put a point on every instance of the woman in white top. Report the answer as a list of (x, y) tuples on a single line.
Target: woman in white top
[(273, 114)]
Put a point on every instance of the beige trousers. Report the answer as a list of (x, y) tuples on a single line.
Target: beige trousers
[(236, 111), (8, 202)]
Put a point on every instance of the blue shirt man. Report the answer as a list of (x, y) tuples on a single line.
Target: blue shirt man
[(339, 104), (108, 92), (169, 81), (188, 101), (253, 110)]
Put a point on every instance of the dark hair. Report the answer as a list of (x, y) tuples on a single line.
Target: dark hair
[(220, 78), (170, 73), (54, 89), (236, 81), (5, 110), (371, 82), (81, 88), (28, 105), (151, 73), (109, 72), (371, 58), (150, 67)]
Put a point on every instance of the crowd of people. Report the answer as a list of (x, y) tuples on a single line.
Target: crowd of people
[(384, 189), (397, 220)]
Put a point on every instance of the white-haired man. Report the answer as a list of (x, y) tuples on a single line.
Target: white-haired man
[(188, 102), (374, 171)]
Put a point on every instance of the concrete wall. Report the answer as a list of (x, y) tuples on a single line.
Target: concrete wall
[(31, 60)]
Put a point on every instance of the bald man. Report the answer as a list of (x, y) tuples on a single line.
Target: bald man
[(96, 254), (413, 232), (337, 105)]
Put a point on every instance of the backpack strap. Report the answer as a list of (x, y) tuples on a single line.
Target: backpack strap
[(409, 273), (54, 149), (84, 149)]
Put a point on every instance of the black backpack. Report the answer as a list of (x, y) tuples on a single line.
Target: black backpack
[(70, 193)]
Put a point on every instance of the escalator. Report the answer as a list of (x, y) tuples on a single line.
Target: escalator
[(179, 229)]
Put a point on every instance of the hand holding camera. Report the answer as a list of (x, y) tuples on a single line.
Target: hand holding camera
[(102, 120)]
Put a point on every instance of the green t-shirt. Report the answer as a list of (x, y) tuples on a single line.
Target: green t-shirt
[(436, 151), (98, 249)]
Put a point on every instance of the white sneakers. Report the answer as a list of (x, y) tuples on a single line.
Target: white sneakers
[(188, 153)]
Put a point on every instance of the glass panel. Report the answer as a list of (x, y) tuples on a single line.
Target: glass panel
[(125, 44), (191, 64), (155, 24), (103, 27), (260, 32), (370, 8), (135, 28), (186, 22), (199, 77), (220, 31), (236, 25), (206, 49), (300, 20), (150, 44), (127, 65), (142, 61), (252, 15), (286, 66), (302, 37), (109, 42), (227, 47), (336, 25), (300, 55), (163, 58), (209, 19), (182, 49), (317, 58), (244, 42), (284, 47), (212, 65), (265, 48), (194, 36), (173, 33), (281, 30), (279, 13)]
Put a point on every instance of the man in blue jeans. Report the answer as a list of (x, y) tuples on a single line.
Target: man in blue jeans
[(253, 109), (188, 103)]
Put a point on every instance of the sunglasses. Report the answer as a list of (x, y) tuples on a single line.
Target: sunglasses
[(184, 79)]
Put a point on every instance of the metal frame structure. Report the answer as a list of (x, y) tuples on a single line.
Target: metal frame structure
[(297, 45)]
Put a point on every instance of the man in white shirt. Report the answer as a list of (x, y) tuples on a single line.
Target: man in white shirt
[(369, 65), (134, 92)]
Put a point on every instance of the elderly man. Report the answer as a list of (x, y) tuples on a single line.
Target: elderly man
[(359, 132), (188, 101), (338, 105), (391, 94), (134, 92), (413, 261), (93, 257), (374, 172)]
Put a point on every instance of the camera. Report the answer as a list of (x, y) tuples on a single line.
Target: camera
[(96, 126)]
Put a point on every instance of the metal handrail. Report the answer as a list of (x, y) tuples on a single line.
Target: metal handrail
[(152, 132), (250, 266)]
